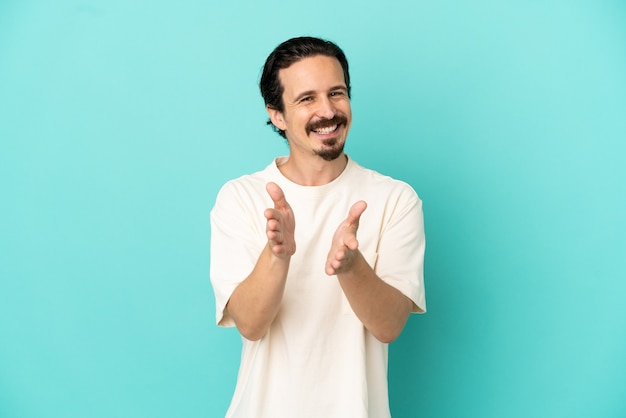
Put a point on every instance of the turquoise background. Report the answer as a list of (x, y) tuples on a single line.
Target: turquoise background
[(120, 120)]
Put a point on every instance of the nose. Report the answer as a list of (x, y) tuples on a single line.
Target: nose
[(326, 108)]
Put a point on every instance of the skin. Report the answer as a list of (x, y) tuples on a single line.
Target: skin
[(315, 92)]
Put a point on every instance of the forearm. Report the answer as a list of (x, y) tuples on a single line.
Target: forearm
[(382, 308), (255, 302)]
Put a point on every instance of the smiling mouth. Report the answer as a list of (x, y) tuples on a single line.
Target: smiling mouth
[(327, 126), (326, 130)]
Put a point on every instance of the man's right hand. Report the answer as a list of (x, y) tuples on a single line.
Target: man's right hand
[(281, 223), (254, 303)]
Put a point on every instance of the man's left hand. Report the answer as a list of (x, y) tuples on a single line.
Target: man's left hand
[(345, 245)]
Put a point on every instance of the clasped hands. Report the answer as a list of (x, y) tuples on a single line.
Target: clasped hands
[(281, 224)]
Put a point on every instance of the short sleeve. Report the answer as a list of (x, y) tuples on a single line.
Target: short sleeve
[(235, 245), (400, 258)]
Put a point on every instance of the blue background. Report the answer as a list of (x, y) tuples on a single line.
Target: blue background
[(120, 120)]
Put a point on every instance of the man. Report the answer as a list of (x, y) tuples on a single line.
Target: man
[(316, 306)]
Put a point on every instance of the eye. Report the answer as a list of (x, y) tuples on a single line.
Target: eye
[(306, 99), (337, 93)]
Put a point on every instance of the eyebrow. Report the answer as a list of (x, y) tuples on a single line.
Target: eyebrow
[(312, 92)]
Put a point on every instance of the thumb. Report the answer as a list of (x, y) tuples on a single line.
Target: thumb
[(277, 195), (355, 213)]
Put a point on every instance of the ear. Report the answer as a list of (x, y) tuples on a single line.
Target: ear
[(276, 117)]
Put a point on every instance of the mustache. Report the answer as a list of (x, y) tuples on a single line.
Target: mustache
[(338, 119)]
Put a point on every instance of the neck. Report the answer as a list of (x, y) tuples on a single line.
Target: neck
[(313, 173)]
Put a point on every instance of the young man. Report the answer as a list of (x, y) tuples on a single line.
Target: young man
[(316, 306)]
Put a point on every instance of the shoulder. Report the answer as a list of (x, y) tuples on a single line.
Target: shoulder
[(243, 194), (381, 184), (246, 185)]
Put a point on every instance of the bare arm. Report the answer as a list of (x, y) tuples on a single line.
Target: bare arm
[(382, 308), (255, 301)]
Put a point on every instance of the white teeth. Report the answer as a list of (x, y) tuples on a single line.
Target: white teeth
[(327, 130)]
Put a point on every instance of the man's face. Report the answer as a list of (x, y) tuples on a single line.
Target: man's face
[(317, 113)]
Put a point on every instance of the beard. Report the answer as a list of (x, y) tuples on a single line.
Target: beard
[(332, 148), (331, 151)]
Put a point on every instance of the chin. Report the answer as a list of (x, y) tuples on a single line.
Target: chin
[(331, 154)]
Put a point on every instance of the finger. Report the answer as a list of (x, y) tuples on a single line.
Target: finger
[(274, 237), (336, 264), (355, 212), (270, 214), (339, 255), (277, 195), (272, 225), (333, 265), (352, 243)]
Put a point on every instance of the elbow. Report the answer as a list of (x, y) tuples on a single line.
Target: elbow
[(250, 332), (388, 332), (387, 336), (248, 326), (251, 336)]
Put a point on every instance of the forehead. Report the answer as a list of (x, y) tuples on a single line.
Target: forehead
[(317, 73)]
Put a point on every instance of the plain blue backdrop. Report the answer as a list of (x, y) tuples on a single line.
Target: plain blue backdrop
[(120, 120)]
